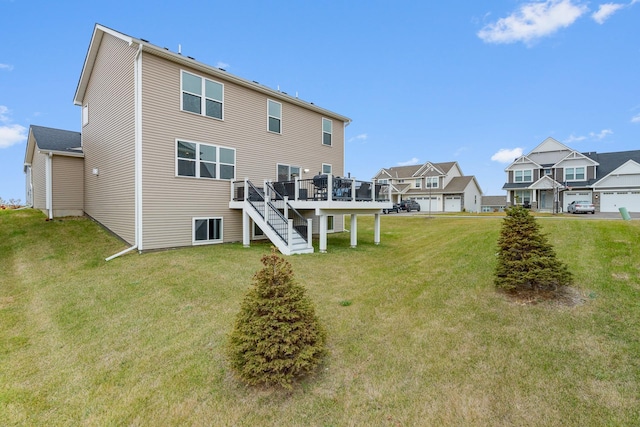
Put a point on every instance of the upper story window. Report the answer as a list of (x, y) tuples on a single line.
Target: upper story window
[(198, 160), (548, 172), (383, 181), (274, 116), (574, 174), (327, 131), (523, 175), (327, 169), (418, 183), (201, 96), (432, 182)]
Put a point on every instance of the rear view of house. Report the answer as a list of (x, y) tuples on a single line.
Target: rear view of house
[(172, 149)]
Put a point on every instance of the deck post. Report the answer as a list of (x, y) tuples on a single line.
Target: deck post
[(376, 228), (354, 230), (323, 234), (246, 227), (309, 233), (329, 187)]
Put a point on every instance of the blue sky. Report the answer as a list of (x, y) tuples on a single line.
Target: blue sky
[(468, 81)]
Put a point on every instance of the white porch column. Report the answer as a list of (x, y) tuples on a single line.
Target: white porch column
[(246, 228), (323, 234), (376, 228), (354, 230)]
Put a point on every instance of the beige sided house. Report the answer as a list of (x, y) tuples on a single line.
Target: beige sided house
[(53, 165), (180, 153), (437, 187)]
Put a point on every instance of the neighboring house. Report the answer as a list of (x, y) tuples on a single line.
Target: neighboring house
[(553, 175), (438, 187), (180, 153), (53, 164), (494, 203)]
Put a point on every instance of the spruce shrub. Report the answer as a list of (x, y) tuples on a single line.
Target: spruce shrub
[(526, 260), (277, 337)]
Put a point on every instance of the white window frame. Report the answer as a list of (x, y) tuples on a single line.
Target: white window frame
[(327, 169), (202, 95), (574, 173), (383, 181), (329, 122), (197, 161), (418, 183), (269, 117), (208, 241), (523, 172), (432, 182), (291, 173), (85, 115), (516, 195)]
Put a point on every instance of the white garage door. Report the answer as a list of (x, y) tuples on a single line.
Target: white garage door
[(453, 204), (424, 204), (575, 196), (612, 201)]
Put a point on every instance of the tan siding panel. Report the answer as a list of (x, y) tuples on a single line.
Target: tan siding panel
[(68, 189), (38, 175), (108, 139), (170, 202)]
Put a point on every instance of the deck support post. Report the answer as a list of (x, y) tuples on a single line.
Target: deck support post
[(246, 227), (376, 228), (323, 234), (354, 230)]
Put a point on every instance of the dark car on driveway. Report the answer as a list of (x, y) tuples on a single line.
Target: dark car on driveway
[(409, 205), (395, 208)]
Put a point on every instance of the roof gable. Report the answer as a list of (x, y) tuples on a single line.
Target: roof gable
[(630, 167), (546, 183), (522, 160), (574, 155), (52, 140)]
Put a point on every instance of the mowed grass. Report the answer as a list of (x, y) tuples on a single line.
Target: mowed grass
[(417, 333)]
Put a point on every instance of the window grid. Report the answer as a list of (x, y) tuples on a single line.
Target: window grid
[(201, 96), (211, 161), (327, 132), (523, 175), (274, 116), (207, 230)]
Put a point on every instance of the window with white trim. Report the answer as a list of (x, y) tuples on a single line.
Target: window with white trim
[(201, 96), (274, 116), (327, 131), (522, 175), (327, 169), (288, 172), (522, 196), (383, 181), (199, 160), (574, 174), (85, 114), (207, 230), (432, 182)]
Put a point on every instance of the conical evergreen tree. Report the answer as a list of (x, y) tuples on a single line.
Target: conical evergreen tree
[(277, 336), (526, 259)]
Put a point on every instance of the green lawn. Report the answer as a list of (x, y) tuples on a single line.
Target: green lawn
[(417, 334)]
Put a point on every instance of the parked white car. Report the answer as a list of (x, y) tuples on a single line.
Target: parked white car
[(581, 207)]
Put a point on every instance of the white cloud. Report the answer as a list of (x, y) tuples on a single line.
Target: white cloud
[(361, 137), (507, 155), (605, 11), (603, 133), (413, 161), (7, 67), (636, 118), (573, 138), (222, 65), (10, 134), (532, 21)]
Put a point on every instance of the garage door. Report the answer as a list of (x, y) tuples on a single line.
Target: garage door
[(612, 201), (575, 196), (424, 203), (453, 204)]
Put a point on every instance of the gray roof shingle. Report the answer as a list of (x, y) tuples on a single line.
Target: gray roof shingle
[(57, 139)]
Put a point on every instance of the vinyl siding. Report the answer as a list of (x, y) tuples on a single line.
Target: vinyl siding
[(39, 177), (68, 191), (108, 139), (170, 203)]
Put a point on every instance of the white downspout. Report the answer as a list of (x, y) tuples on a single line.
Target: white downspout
[(49, 184), (137, 156)]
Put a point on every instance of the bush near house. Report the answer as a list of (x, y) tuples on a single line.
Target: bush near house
[(11, 204), (526, 260), (277, 336)]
